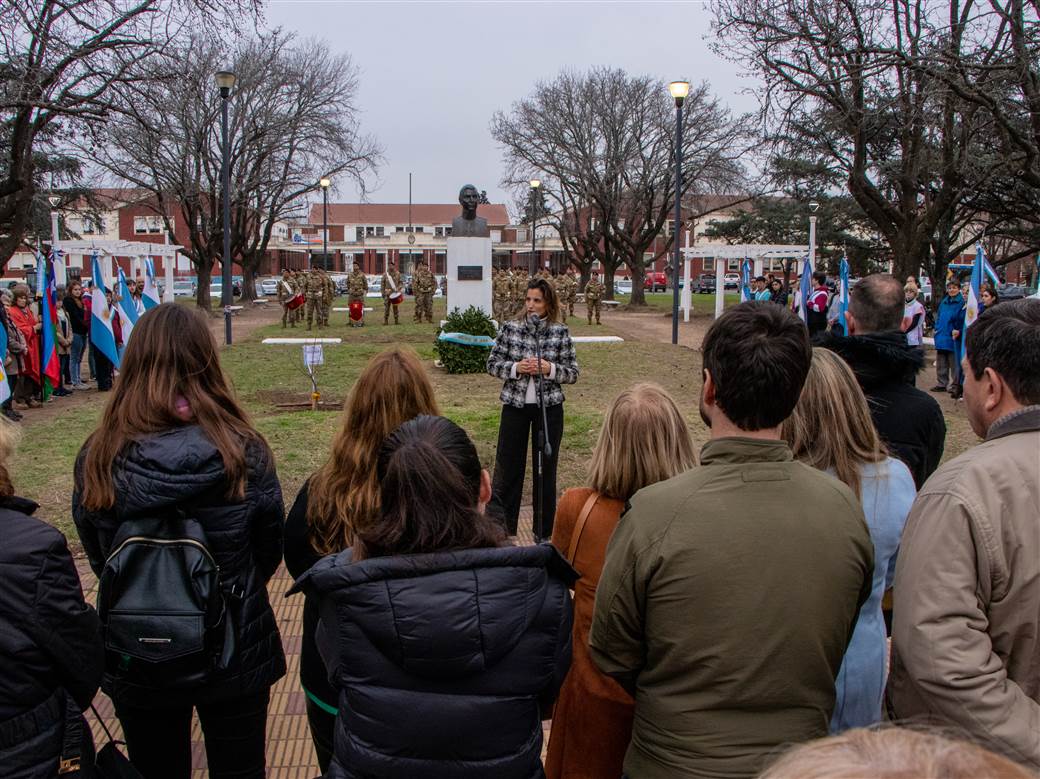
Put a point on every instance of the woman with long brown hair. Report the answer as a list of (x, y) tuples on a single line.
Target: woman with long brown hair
[(514, 360), (644, 440), (448, 644), (343, 495), (831, 430), (174, 444)]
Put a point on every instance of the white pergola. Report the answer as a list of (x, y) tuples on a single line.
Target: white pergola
[(758, 253), (109, 250)]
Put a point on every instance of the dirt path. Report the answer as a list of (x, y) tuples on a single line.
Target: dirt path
[(243, 325), (655, 326)]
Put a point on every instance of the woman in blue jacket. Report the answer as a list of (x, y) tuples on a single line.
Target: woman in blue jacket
[(949, 324)]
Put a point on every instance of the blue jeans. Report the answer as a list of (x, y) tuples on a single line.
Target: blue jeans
[(79, 343)]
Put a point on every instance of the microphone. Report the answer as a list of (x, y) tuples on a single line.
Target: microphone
[(534, 320)]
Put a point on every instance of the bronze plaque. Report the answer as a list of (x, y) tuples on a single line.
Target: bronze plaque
[(471, 273)]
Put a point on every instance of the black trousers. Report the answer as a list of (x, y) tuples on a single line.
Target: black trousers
[(507, 486), (159, 739), (102, 369)]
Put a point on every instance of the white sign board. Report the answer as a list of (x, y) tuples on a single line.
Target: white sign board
[(313, 354)]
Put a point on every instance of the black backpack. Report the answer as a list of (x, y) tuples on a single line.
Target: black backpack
[(163, 605)]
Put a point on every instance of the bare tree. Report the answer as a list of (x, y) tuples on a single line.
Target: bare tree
[(602, 144), (293, 119), (856, 83), (59, 60)]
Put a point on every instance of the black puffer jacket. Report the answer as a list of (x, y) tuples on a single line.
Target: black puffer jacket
[(908, 420), (181, 468), (50, 642), (445, 663)]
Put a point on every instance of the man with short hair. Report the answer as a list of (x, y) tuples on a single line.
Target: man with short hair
[(761, 292), (908, 420), (966, 634), (725, 610)]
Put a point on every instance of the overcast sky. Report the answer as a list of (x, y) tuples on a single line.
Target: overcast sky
[(433, 73)]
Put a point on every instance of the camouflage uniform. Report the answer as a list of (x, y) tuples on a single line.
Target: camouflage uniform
[(560, 288), (500, 295), (519, 292), (394, 274), (572, 291), (286, 292), (357, 286), (594, 292), (298, 284), (329, 290), (424, 285), (314, 290)]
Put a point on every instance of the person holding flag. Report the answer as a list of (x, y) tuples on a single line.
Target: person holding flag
[(102, 336), (843, 293), (50, 376), (126, 306), (150, 293), (745, 281), (972, 308)]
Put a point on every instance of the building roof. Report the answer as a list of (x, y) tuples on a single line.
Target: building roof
[(110, 197), (397, 213)]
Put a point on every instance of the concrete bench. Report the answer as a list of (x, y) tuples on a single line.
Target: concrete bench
[(260, 302)]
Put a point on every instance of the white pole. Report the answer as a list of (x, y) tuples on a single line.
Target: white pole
[(167, 261), (812, 242), (687, 285), (720, 285)]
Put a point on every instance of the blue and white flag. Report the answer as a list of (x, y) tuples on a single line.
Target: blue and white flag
[(126, 306), (978, 271), (101, 334), (150, 296), (745, 280), (5, 387), (804, 291), (843, 293)]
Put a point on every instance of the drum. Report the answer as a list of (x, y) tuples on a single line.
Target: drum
[(396, 298), (295, 302), (357, 310)]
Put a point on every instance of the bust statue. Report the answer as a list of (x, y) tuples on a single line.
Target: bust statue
[(469, 225)]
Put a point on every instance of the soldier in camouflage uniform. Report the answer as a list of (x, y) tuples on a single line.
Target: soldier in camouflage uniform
[(328, 293), (314, 292), (559, 282), (517, 292), (357, 286), (285, 294), (391, 286), (298, 289), (424, 285), (572, 290), (594, 292), (500, 295)]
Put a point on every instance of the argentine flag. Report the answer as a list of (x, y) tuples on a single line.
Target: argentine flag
[(150, 296), (843, 292), (126, 306), (804, 292), (745, 280), (101, 334), (5, 388)]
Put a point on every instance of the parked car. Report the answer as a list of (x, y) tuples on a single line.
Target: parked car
[(375, 287), (183, 289), (406, 280), (623, 287), (269, 286), (340, 280), (731, 281), (1013, 292), (705, 283), (655, 281)]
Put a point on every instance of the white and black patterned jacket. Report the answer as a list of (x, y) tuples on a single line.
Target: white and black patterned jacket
[(516, 342)]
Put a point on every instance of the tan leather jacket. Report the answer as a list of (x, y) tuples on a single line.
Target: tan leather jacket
[(966, 632)]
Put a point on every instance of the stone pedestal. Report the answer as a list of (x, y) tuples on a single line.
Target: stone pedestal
[(469, 274)]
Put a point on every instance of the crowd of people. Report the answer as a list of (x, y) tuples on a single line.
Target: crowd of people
[(23, 361), (708, 615)]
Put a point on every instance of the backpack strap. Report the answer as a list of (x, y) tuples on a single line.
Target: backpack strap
[(72, 739), (579, 526)]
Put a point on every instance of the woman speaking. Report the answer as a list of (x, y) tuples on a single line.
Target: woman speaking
[(515, 360)]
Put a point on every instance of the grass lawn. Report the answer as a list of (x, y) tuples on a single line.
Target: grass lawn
[(266, 376), (703, 305)]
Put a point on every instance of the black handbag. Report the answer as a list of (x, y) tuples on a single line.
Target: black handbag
[(108, 763)]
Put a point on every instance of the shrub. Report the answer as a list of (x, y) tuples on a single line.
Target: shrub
[(461, 358)]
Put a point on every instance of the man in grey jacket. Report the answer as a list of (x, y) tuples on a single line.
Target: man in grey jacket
[(730, 592), (966, 631)]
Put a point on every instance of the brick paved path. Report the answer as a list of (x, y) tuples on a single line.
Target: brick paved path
[(290, 754)]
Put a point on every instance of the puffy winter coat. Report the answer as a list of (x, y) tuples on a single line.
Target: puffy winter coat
[(180, 468), (50, 642), (908, 420), (445, 663)]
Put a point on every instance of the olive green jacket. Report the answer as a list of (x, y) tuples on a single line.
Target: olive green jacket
[(726, 602)]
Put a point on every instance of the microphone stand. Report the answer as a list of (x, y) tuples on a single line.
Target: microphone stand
[(544, 447)]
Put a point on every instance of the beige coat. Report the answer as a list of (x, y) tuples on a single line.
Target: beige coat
[(966, 633)]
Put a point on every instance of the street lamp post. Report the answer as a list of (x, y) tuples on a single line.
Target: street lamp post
[(678, 90), (225, 81), (813, 208), (325, 184), (54, 200), (535, 183)]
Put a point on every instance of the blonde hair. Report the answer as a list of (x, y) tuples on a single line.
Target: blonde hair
[(830, 426), (644, 440), (892, 753), (9, 437), (910, 287), (392, 389)]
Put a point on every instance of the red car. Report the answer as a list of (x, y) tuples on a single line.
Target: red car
[(655, 281)]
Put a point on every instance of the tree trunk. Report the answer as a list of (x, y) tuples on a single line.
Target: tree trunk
[(638, 293), (583, 279), (248, 280), (204, 269)]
